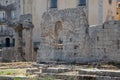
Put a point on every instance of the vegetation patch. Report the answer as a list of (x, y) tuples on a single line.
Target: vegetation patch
[(12, 71)]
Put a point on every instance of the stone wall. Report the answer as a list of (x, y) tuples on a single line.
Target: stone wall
[(8, 54), (66, 36), (106, 41)]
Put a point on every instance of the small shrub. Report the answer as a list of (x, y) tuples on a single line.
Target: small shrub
[(26, 74), (8, 73)]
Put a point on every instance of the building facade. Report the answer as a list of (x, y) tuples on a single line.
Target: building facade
[(100, 11), (97, 11), (8, 11)]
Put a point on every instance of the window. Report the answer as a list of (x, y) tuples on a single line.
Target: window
[(118, 5), (110, 1), (13, 14), (13, 42), (1, 29), (104, 50), (70, 39), (118, 44), (97, 38), (75, 54), (103, 26), (2, 15), (53, 4), (6, 1), (7, 42), (82, 3)]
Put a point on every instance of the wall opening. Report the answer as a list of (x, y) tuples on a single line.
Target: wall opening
[(97, 38), (81, 2), (70, 39), (76, 46), (13, 42), (7, 42), (118, 44), (53, 4), (58, 34), (104, 50), (110, 1)]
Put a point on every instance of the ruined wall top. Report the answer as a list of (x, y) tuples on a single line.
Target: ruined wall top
[(55, 15)]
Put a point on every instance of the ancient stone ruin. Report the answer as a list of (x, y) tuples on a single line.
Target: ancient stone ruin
[(67, 37), (64, 36), (24, 23)]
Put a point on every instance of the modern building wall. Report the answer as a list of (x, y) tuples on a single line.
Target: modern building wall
[(101, 10), (98, 11), (118, 11)]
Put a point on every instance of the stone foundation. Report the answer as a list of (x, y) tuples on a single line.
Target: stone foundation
[(8, 55)]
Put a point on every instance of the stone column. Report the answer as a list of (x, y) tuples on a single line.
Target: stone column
[(18, 44), (29, 44)]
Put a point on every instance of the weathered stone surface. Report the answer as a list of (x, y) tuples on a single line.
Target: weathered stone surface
[(8, 55), (24, 22), (105, 42), (66, 36), (98, 72)]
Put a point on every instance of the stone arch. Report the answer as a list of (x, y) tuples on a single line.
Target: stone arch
[(7, 42), (58, 31)]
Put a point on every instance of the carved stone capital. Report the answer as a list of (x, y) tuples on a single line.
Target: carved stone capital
[(28, 25)]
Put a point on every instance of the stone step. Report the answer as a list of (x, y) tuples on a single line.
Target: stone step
[(32, 70), (110, 67), (55, 70), (86, 77), (112, 73), (77, 77), (39, 65)]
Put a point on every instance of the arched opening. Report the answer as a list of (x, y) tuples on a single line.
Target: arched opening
[(7, 42), (13, 42), (58, 34)]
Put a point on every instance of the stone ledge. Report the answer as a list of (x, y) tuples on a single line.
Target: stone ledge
[(112, 73)]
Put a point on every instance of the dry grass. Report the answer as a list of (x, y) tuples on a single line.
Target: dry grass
[(13, 72), (14, 65), (14, 68)]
